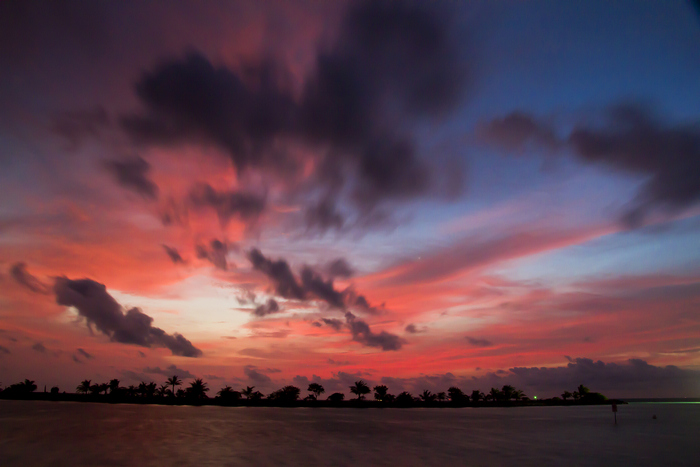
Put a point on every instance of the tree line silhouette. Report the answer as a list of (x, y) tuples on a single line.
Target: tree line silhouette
[(170, 392)]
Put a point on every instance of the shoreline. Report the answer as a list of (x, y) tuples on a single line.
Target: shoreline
[(350, 404)]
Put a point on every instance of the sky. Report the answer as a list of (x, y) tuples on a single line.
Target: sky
[(421, 195)]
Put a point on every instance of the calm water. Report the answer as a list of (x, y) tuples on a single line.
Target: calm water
[(75, 434)]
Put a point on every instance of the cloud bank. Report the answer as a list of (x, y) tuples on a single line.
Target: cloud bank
[(101, 310), (629, 138), (391, 66)]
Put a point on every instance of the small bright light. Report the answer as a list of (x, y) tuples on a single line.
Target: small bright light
[(535, 397)]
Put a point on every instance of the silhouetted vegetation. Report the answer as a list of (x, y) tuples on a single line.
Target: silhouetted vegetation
[(196, 394), (198, 389), (404, 399), (228, 394), (360, 389), (316, 390), (248, 392), (285, 395), (380, 393), (173, 381), (456, 395), (22, 389)]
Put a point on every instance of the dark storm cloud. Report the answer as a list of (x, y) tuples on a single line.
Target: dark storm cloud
[(173, 254), (325, 290), (359, 301), (268, 308), (478, 342), (4, 350), (100, 309), (19, 273), (313, 285), (255, 376), (192, 99), (340, 268), (388, 55), (228, 204), (638, 142), (216, 254), (39, 347), (78, 125), (631, 139), (169, 371), (362, 333), (392, 66), (411, 328), (335, 323), (634, 376), (85, 354), (279, 273), (132, 174)]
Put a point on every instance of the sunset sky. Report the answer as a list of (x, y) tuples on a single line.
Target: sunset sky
[(416, 194)]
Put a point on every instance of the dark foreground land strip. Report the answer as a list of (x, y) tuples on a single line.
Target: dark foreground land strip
[(353, 403)]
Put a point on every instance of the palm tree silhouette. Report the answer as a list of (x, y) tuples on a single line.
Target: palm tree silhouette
[(427, 396), (477, 395), (29, 386), (163, 390), (494, 394), (84, 387), (248, 391), (316, 389), (285, 395), (227, 393), (174, 381), (22, 388), (441, 396), (507, 392), (198, 389), (360, 388)]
